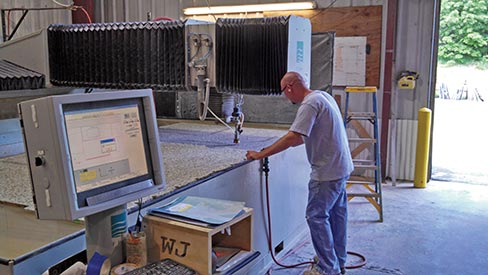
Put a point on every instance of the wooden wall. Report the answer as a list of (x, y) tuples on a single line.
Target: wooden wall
[(350, 21)]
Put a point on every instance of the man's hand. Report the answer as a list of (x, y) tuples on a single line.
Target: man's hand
[(253, 155), (286, 141)]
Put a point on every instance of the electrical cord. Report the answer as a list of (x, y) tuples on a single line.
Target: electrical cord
[(138, 225), (62, 5), (72, 6), (86, 14), (265, 169), (196, 38)]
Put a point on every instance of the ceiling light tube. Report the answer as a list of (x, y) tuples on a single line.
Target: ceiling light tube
[(250, 8)]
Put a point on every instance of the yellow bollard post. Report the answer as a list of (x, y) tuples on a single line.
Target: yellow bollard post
[(422, 151)]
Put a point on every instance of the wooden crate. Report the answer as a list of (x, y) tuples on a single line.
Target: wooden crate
[(192, 245)]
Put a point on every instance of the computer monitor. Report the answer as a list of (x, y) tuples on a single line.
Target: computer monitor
[(91, 152)]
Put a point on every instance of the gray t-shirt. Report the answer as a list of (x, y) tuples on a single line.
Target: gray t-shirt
[(320, 123)]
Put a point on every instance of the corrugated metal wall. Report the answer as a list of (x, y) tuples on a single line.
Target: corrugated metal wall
[(413, 52), (35, 20), (133, 11), (413, 49), (401, 152)]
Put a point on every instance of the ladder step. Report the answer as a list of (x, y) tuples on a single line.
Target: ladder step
[(364, 115), (361, 182), (364, 140), (369, 195), (360, 89), (363, 166), (364, 161)]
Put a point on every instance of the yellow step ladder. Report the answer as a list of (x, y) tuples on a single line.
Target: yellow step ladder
[(371, 186)]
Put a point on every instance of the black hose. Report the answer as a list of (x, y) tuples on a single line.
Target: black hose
[(358, 265), (265, 169)]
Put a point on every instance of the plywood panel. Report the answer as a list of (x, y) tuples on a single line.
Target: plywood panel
[(350, 21)]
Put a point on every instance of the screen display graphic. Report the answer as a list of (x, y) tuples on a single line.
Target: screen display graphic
[(106, 146)]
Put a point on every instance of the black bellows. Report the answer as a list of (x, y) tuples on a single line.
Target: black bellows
[(16, 77), (118, 55), (251, 55)]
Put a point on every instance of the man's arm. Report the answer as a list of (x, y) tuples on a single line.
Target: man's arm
[(291, 139)]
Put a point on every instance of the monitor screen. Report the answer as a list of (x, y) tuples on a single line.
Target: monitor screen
[(105, 147)]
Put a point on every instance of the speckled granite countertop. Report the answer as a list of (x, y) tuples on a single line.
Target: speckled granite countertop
[(191, 152)]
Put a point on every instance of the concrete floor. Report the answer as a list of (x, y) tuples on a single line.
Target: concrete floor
[(441, 229)]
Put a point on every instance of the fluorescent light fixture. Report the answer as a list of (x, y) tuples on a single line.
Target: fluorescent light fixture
[(250, 8)]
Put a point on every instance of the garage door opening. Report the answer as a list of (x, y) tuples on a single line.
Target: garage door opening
[(460, 134)]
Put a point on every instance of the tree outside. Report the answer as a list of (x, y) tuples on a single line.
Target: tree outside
[(463, 32)]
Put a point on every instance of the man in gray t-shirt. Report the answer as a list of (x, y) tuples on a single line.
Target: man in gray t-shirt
[(319, 125)]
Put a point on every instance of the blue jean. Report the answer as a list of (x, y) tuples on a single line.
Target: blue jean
[(327, 220)]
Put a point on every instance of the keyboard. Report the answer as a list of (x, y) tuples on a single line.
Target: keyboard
[(163, 267)]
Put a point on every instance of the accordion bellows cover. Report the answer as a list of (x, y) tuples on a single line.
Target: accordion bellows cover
[(118, 55), (251, 55)]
